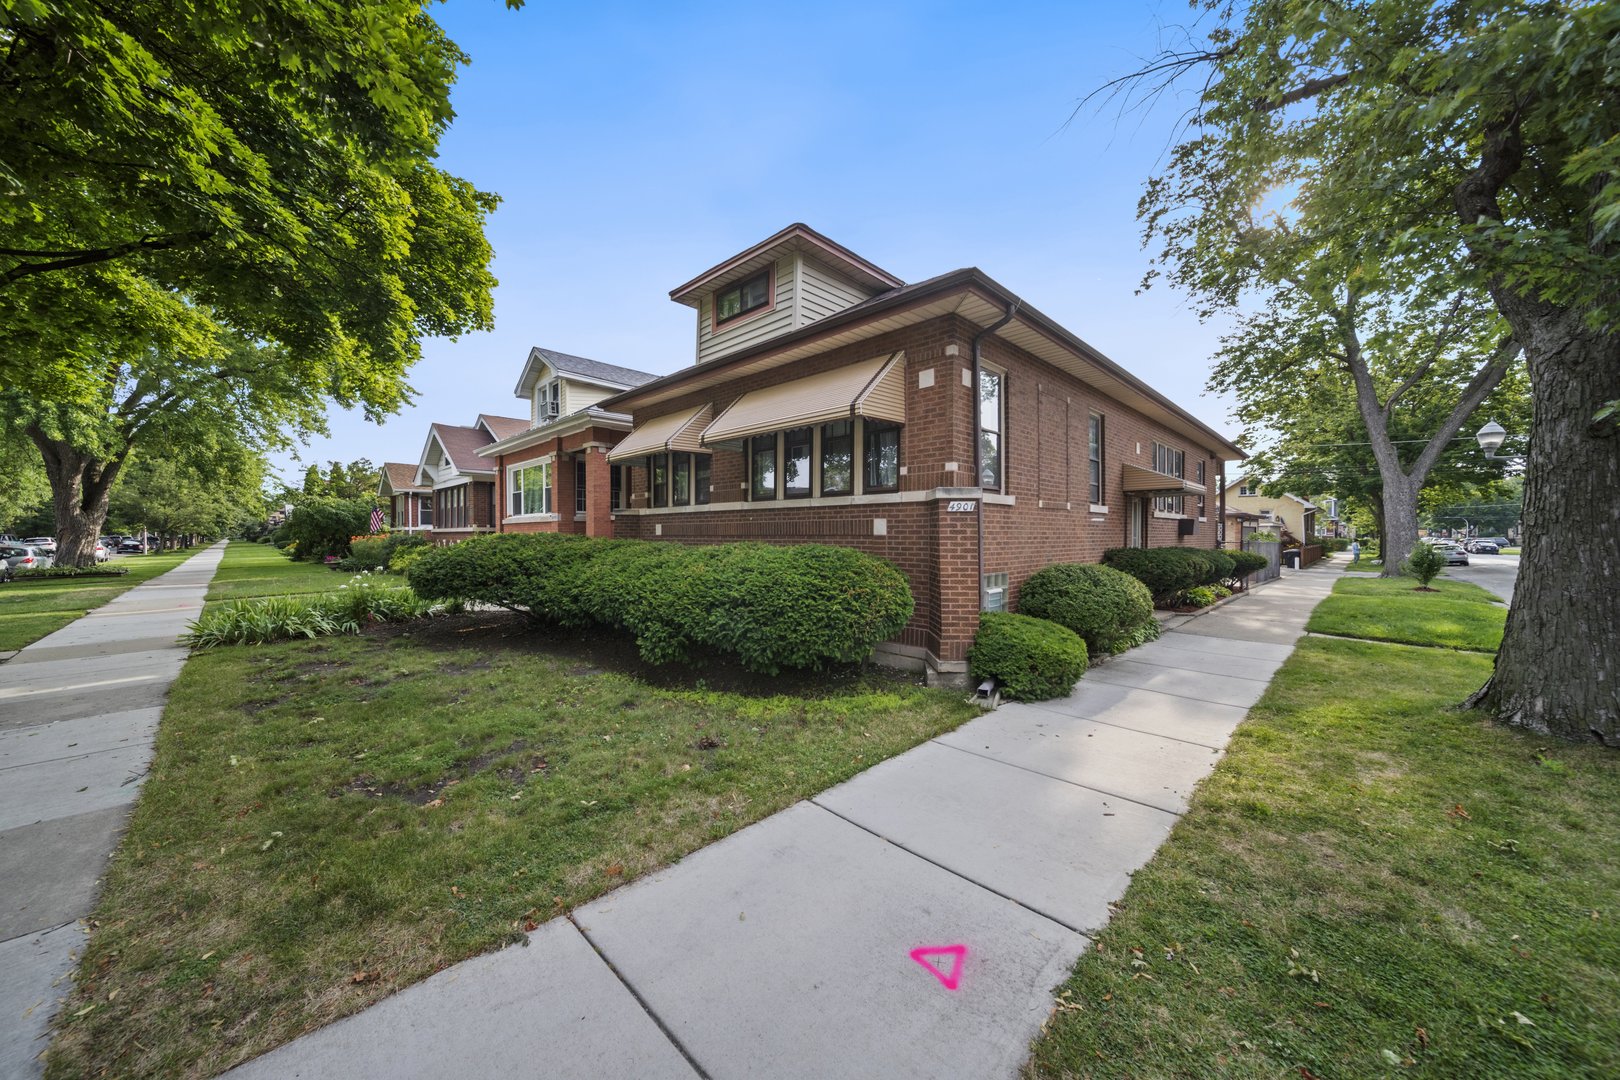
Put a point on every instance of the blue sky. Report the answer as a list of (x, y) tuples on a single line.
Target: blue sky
[(635, 145)]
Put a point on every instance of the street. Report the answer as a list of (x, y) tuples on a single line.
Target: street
[(1494, 572)]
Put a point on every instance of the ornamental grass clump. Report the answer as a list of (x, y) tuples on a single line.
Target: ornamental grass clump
[(362, 602), (1108, 608)]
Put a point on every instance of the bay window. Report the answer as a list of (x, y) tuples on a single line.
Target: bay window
[(762, 467), (796, 462), (681, 481), (881, 455), (658, 479), (838, 458)]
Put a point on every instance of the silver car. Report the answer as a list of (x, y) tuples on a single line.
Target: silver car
[(15, 557)]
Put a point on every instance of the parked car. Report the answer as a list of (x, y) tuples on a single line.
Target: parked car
[(41, 544), (132, 547), (1482, 547), (16, 557), (1455, 555), (102, 552)]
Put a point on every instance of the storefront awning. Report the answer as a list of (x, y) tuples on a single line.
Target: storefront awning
[(875, 389), (677, 431), (1144, 481)]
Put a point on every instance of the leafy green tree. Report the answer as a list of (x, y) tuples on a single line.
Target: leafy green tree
[(322, 526), (205, 495), (314, 483), (24, 490), (1474, 143), (188, 184)]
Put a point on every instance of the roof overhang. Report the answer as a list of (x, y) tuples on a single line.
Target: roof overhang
[(796, 237), (968, 294), (530, 375), (566, 425), (1140, 480)]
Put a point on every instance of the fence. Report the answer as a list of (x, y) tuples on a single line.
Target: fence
[(1272, 550), (1310, 553)]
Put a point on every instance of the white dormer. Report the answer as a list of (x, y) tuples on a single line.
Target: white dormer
[(777, 286), (557, 384)]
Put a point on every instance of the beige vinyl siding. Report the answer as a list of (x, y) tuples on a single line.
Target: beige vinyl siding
[(750, 330), (577, 396), (823, 293)]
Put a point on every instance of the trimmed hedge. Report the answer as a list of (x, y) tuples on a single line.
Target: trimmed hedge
[(1169, 571), (1245, 563), (770, 607), (69, 573), (1032, 658), (1106, 607)]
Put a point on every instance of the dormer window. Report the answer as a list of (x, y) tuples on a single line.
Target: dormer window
[(747, 295), (548, 401)]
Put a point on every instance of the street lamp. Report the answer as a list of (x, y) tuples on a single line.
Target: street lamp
[(1491, 437)]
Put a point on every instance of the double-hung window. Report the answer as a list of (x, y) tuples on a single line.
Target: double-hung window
[(658, 479), (425, 510), (681, 480), (1095, 452), (1171, 462), (579, 484), (881, 454), (751, 294), (992, 417), (1198, 469), (702, 478), (796, 478), (528, 489), (838, 458), (762, 467)]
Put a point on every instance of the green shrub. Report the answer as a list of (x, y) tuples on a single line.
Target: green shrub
[(377, 552), (1170, 571), (1103, 605), (1425, 564), (345, 610), (1032, 658), (1245, 563), (405, 556), (1199, 596), (1264, 537), (769, 607), (321, 526)]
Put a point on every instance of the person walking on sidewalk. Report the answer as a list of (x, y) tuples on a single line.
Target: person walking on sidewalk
[(1355, 552)]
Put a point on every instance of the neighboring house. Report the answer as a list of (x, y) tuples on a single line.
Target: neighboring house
[(553, 475), (1283, 512), (832, 403), (461, 482), (410, 505)]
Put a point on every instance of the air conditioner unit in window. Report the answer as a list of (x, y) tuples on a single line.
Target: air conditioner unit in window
[(551, 410)]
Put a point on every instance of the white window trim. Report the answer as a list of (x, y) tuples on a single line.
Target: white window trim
[(548, 464), (1001, 424)]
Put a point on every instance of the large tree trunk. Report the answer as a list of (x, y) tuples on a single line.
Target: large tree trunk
[(80, 486), (1399, 525), (1558, 671)]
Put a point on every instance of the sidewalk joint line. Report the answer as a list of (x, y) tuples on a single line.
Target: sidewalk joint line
[(1139, 731), (645, 1007), (66, 757), (1060, 779), (953, 872), (1185, 697), (1189, 671)]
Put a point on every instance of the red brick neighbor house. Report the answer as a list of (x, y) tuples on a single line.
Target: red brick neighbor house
[(462, 483), (944, 425), (553, 474), (410, 505)]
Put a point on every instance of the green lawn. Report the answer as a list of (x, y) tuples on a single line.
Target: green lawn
[(328, 821), (250, 569), (1459, 615), (1371, 884), (1509, 551), (30, 610)]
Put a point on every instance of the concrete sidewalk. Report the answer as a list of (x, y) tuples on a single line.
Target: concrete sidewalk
[(785, 950), (78, 709)]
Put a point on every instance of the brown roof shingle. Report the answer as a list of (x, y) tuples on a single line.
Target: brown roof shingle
[(401, 477)]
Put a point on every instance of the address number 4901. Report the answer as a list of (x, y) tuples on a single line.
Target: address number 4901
[(960, 506)]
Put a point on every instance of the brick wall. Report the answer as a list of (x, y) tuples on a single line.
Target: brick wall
[(1046, 446)]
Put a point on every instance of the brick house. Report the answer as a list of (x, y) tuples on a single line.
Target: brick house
[(945, 425), (462, 483), (553, 475), (410, 505)]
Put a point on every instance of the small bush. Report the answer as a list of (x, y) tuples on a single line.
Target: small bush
[(1200, 596), (345, 610), (1033, 659), (1425, 564), (1103, 605), (321, 526), (377, 552), (1245, 563), (770, 607), (405, 557)]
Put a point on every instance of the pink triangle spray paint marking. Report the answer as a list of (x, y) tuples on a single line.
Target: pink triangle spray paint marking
[(949, 981)]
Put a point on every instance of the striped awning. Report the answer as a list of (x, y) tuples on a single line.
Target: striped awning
[(875, 389), (1140, 480), (677, 431)]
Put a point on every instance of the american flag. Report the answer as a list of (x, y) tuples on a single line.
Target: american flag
[(376, 519)]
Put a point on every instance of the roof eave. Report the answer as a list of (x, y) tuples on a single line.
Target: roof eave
[(685, 294)]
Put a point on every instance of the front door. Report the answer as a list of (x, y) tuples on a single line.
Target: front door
[(1137, 511)]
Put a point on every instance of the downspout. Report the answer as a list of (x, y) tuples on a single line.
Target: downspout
[(978, 433)]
